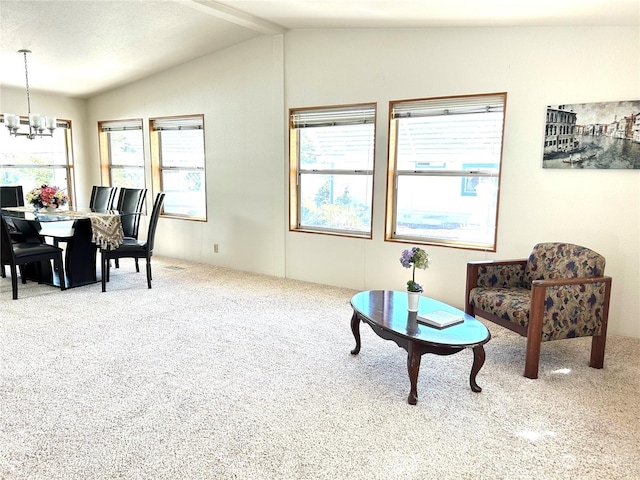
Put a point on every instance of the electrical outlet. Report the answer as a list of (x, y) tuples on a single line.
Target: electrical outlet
[(215, 248)]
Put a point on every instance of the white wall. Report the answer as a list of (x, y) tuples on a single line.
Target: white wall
[(536, 67), (239, 91)]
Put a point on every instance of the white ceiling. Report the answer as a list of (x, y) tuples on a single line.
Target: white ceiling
[(84, 47)]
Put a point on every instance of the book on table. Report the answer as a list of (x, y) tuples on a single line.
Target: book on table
[(440, 319)]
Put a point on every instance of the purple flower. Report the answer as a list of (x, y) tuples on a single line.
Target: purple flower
[(407, 258), (414, 258)]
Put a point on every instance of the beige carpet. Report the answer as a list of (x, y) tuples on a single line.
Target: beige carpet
[(220, 374)]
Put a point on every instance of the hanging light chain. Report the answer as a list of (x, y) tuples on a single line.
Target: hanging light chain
[(26, 78)]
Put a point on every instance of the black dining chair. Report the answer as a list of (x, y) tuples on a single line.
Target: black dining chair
[(11, 196), (129, 204), (102, 198), (132, 248), (17, 255)]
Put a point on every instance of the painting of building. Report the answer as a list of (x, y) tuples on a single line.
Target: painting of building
[(602, 135)]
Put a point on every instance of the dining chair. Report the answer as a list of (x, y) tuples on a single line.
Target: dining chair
[(132, 248), (11, 196), (129, 204), (17, 255), (102, 198)]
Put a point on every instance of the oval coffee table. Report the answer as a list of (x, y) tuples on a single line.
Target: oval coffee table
[(386, 313)]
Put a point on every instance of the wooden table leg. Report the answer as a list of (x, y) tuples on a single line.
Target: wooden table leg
[(355, 328), (478, 361), (413, 367)]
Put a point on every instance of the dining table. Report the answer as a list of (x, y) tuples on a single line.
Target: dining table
[(81, 231)]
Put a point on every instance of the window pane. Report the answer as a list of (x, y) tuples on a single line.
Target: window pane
[(31, 178), (40, 150), (447, 208), (340, 147), (182, 148), (128, 177), (337, 202), (126, 148), (449, 141), (31, 163), (185, 192)]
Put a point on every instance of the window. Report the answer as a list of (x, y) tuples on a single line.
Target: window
[(177, 157), (31, 163), (331, 169), (444, 170), (122, 153)]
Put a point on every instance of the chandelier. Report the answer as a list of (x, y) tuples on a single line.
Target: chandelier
[(37, 123)]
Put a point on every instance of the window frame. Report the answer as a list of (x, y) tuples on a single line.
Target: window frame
[(295, 171), (63, 127), (105, 127), (157, 168), (394, 175)]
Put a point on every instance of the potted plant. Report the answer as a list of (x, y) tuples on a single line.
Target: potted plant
[(414, 258)]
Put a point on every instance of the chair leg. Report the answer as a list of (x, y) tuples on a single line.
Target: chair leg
[(532, 358), (23, 276), (57, 263), (105, 272), (137, 265), (148, 272), (14, 281), (597, 351), (3, 273), (116, 262), (534, 333)]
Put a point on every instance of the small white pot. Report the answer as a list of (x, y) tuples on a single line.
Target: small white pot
[(413, 300)]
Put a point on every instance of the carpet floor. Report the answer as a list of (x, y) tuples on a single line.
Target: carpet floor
[(221, 374)]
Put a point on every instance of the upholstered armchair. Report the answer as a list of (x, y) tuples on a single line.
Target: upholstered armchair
[(559, 292)]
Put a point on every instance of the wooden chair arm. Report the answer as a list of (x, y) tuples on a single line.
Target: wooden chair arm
[(558, 282), (521, 261)]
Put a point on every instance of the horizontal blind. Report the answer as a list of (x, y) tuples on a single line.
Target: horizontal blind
[(195, 122), (120, 125), (358, 115), (449, 106), (450, 133)]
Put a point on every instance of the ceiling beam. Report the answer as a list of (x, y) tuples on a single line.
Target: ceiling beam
[(234, 16)]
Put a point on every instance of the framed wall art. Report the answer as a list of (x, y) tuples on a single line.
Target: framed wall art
[(602, 135)]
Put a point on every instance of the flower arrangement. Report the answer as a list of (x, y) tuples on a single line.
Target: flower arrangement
[(415, 258), (47, 196)]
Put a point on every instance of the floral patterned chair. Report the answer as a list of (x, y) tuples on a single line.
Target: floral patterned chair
[(559, 292)]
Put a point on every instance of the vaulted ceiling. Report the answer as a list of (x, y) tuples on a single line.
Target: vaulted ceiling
[(83, 47)]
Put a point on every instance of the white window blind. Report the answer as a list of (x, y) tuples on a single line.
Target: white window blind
[(120, 125), (178, 123), (333, 117)]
